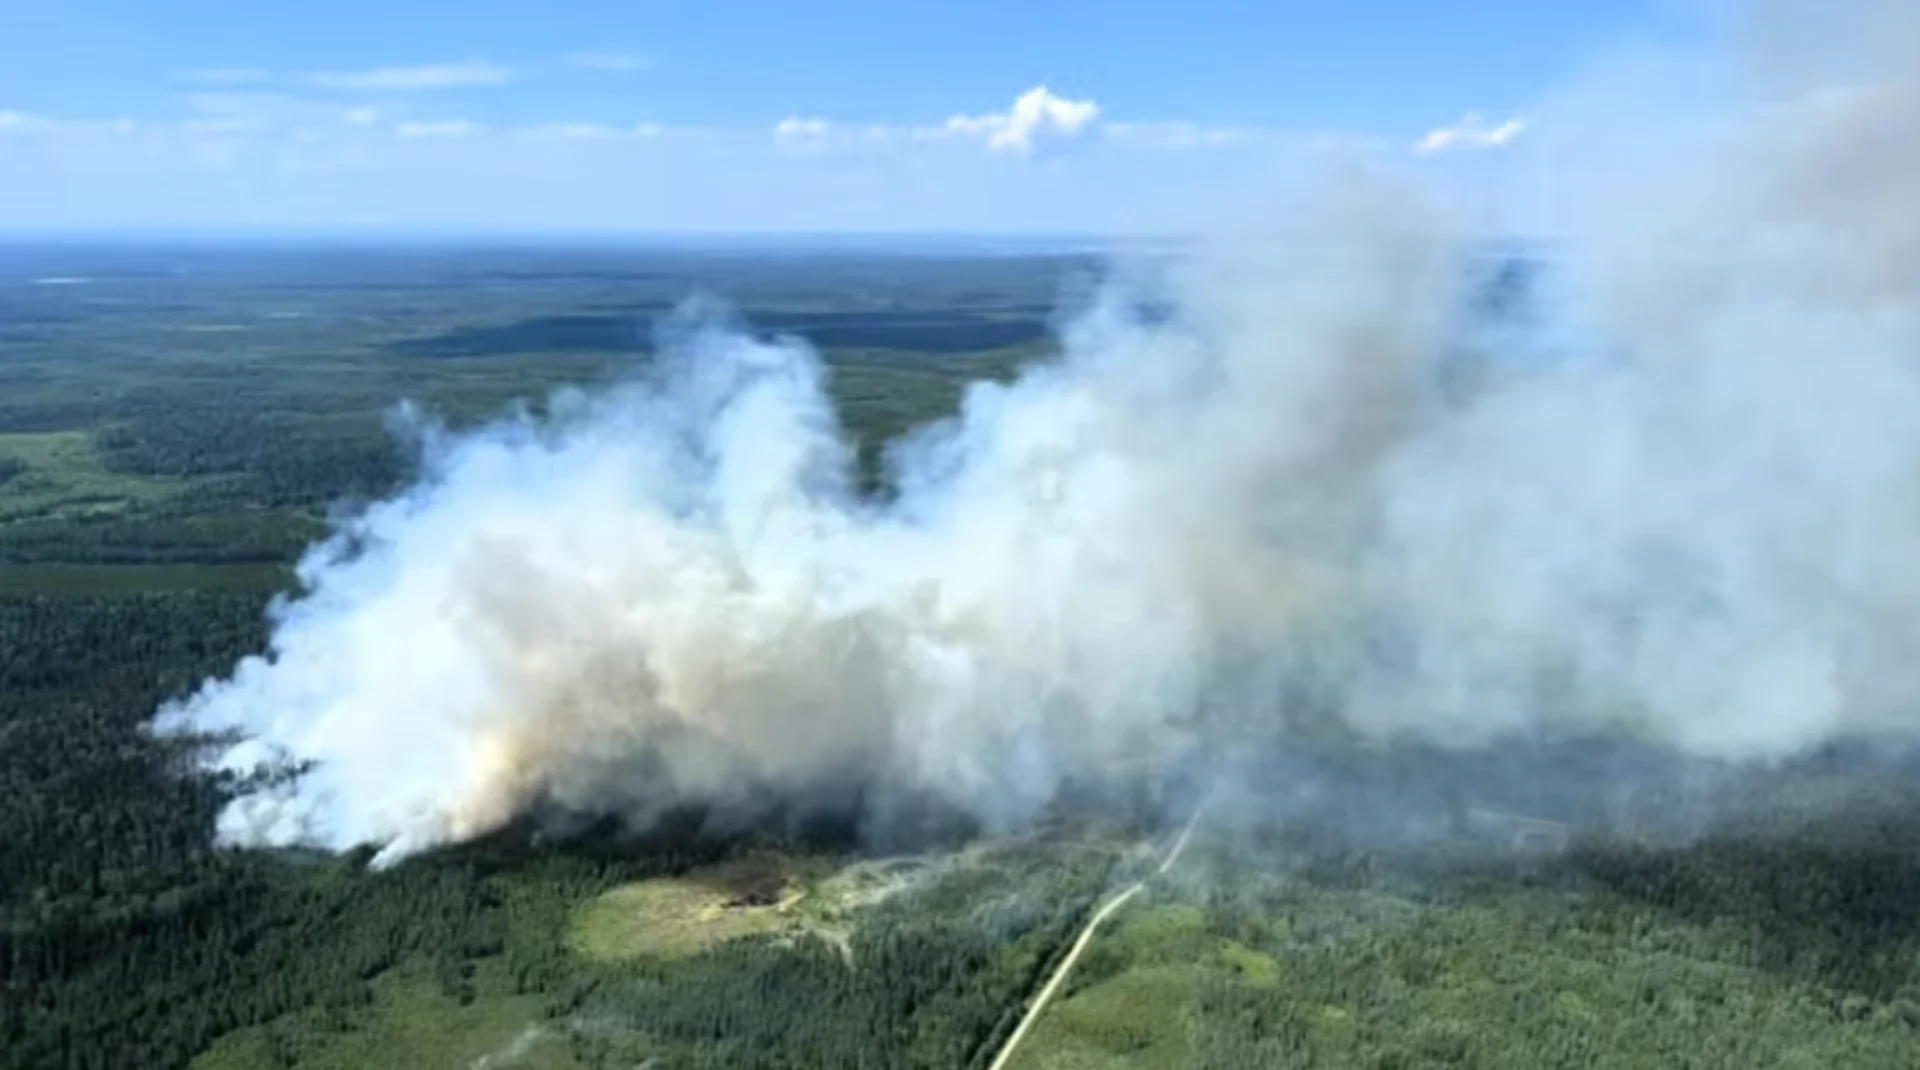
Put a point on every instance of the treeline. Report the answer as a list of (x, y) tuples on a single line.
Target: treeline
[(276, 457), (163, 534)]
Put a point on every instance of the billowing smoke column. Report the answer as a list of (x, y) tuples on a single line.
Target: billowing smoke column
[(1683, 506)]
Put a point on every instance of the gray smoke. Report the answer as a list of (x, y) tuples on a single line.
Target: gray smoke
[(1680, 506)]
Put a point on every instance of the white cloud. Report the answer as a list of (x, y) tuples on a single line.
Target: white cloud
[(796, 128), (418, 173), (1471, 132), (588, 132), (227, 76), (269, 120), (807, 136), (1174, 135), (431, 76), (245, 110), (444, 128), (217, 126), (612, 61), (573, 130), (19, 122), (1036, 115), (240, 158)]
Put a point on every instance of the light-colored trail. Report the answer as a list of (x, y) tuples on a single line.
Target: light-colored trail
[(1179, 845), (1080, 943)]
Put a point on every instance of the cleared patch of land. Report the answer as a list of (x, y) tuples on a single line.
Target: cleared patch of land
[(409, 1022), (760, 895), (60, 475)]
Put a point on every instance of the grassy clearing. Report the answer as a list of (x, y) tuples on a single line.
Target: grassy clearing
[(760, 895), (64, 479), (412, 1023), (674, 917), (667, 918)]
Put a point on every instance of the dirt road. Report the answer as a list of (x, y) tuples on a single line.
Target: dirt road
[(1085, 938)]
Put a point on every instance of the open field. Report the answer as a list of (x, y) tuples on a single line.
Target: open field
[(671, 917), (61, 475), (408, 1021)]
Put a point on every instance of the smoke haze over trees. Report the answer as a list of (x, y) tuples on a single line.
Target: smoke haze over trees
[(1677, 506)]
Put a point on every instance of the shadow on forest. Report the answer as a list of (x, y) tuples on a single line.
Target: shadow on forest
[(571, 333), (1837, 899), (859, 822), (926, 332), (1811, 868)]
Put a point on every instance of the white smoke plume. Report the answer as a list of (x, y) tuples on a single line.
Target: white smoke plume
[(1683, 506)]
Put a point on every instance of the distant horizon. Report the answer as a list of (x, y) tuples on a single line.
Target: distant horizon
[(585, 240), (976, 243)]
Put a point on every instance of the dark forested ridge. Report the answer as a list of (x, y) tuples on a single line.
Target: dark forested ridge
[(173, 434)]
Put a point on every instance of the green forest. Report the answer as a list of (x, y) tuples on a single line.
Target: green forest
[(159, 478)]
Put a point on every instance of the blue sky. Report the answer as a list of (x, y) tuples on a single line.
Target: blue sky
[(679, 115)]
